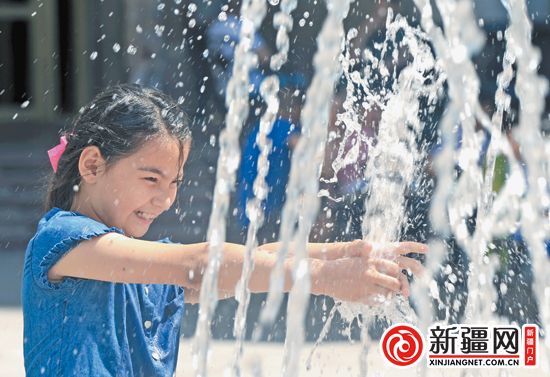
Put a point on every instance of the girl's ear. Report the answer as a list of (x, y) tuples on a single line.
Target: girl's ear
[(91, 164)]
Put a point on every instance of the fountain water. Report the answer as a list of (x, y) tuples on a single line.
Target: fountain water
[(439, 61), (253, 12), (269, 91)]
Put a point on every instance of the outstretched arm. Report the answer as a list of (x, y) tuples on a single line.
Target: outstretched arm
[(354, 275), (116, 258), (348, 271), (120, 259)]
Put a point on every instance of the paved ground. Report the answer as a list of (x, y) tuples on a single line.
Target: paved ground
[(332, 360)]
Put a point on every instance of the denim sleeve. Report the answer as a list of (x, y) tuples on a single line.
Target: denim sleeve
[(57, 238), (165, 240)]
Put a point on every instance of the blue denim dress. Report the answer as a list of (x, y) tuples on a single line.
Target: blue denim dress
[(81, 327)]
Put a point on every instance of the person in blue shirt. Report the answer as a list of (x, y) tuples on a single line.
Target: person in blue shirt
[(283, 138), (97, 300)]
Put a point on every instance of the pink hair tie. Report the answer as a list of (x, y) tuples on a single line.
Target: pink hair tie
[(56, 152)]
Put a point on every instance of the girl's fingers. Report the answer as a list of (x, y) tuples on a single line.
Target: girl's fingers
[(405, 286), (384, 281), (410, 247), (411, 264), (388, 267)]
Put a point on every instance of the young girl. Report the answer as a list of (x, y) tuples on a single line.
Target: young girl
[(97, 300)]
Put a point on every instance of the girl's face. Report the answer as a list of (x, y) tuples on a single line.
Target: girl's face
[(135, 190)]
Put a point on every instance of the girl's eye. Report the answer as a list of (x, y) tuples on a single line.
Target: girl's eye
[(178, 182), (151, 179)]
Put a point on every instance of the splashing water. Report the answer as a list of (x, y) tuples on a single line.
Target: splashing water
[(395, 157), (302, 200), (532, 89), (438, 65), (269, 90), (252, 12)]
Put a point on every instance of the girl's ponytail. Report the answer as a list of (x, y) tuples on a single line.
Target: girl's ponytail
[(63, 183)]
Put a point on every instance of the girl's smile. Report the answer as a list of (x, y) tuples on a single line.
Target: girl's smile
[(145, 217)]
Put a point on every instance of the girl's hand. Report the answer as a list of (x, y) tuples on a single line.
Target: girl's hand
[(359, 272)]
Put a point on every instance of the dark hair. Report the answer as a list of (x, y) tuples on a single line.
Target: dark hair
[(118, 121)]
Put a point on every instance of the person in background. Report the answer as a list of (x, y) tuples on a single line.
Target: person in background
[(222, 37), (283, 138)]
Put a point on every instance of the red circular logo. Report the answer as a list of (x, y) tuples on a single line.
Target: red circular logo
[(402, 345)]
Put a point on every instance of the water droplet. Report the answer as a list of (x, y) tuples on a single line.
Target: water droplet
[(192, 23), (76, 188), (450, 287), (139, 29), (302, 22), (25, 104), (147, 324), (160, 6), (503, 288), (159, 29), (132, 50), (15, 116), (352, 33), (192, 7), (93, 55)]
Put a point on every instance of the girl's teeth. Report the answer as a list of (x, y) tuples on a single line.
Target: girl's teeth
[(141, 214)]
